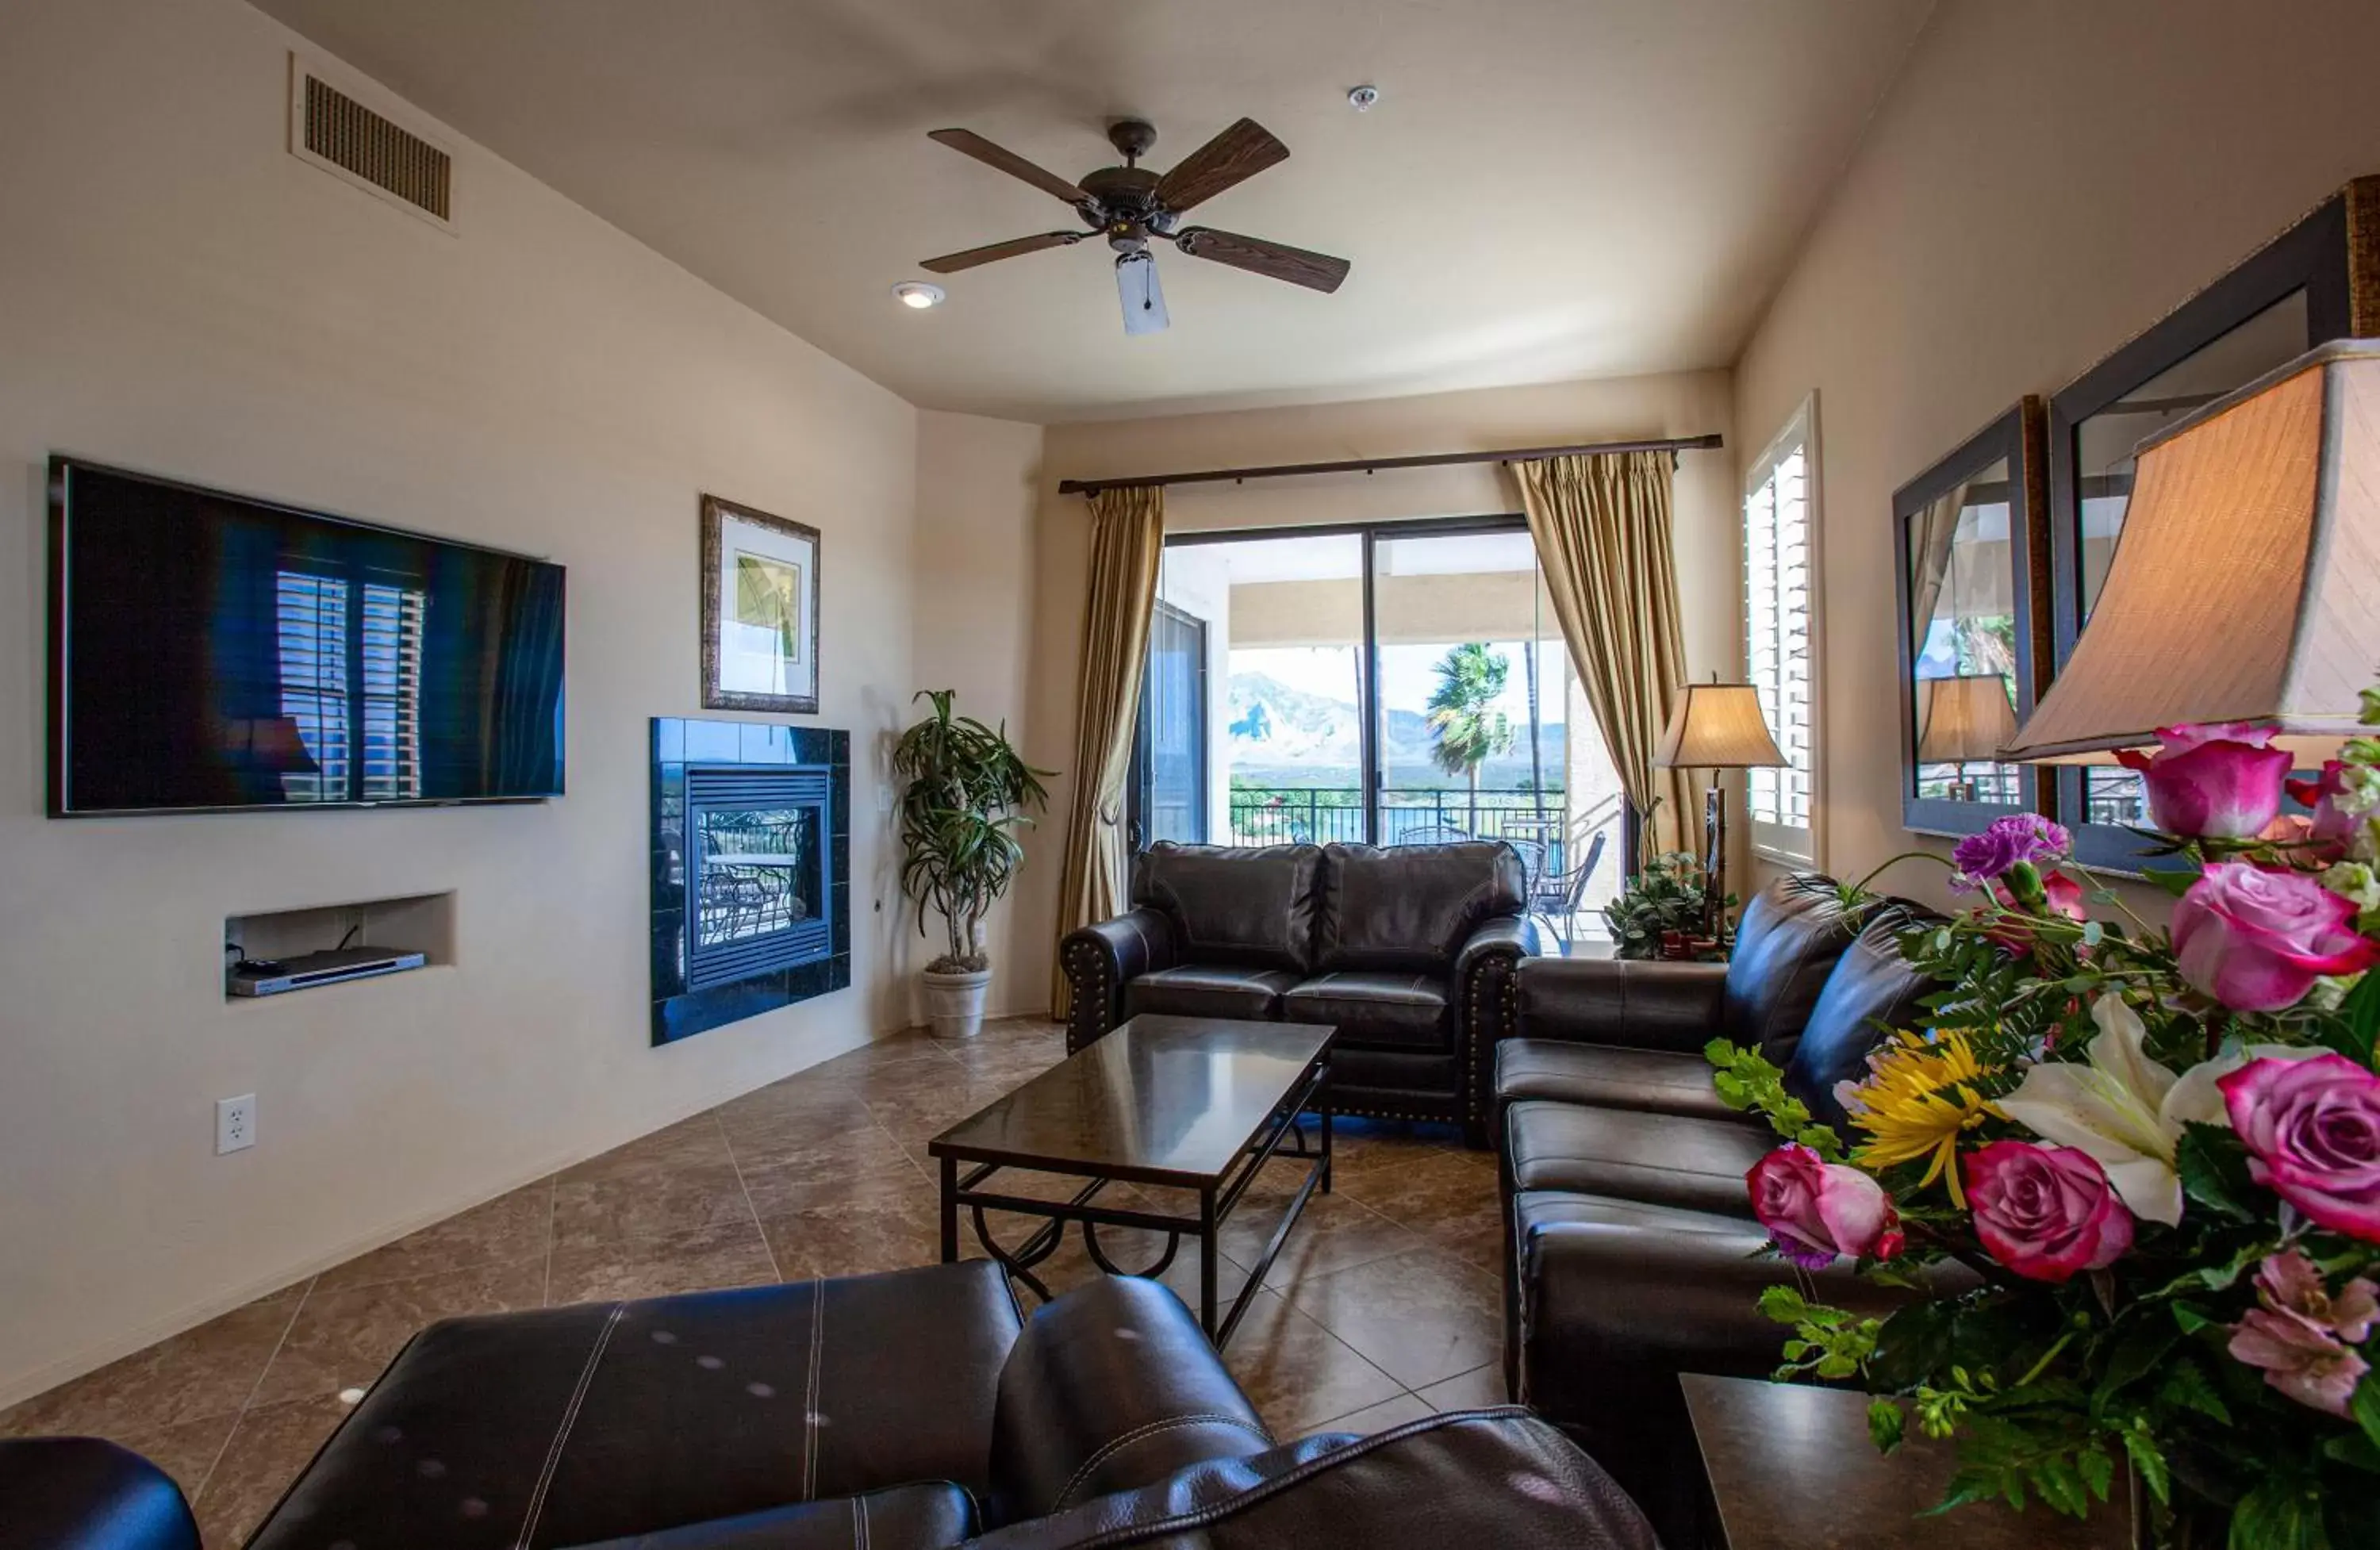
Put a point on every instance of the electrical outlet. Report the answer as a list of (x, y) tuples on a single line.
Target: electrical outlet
[(235, 1123), (884, 799)]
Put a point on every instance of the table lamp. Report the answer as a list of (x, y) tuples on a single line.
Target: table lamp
[(2246, 584), (1961, 720), (1716, 726)]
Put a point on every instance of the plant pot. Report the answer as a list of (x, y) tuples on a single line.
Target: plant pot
[(954, 1001)]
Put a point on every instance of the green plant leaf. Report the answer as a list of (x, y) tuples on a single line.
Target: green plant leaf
[(2283, 1512), (2214, 1170), (2363, 1407), (1885, 1424)]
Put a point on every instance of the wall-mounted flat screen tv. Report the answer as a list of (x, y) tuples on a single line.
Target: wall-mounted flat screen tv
[(210, 652)]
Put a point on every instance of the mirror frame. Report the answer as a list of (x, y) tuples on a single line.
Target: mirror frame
[(2020, 437), (2333, 255)]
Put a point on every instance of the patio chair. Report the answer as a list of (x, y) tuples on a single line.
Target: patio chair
[(1433, 834), (1555, 897)]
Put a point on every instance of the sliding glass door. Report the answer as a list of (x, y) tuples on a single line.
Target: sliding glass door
[(1398, 684)]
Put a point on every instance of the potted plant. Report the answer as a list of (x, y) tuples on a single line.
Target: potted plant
[(964, 803), (1663, 912), (2155, 1148)]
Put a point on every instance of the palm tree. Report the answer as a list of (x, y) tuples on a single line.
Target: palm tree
[(1467, 727)]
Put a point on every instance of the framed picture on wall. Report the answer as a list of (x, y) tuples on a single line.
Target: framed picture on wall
[(760, 611)]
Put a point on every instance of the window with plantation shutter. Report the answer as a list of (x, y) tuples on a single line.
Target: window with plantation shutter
[(350, 665), (1780, 522)]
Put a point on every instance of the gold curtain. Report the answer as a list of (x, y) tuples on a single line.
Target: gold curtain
[(1127, 542), (1930, 533), (1602, 525)]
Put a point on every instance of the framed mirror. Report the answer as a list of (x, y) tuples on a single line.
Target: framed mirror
[(1971, 568), (2317, 282)]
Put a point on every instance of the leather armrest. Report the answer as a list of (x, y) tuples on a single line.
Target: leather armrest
[(84, 1494), (1098, 960), (1111, 1388), (1618, 1001), (1483, 986)]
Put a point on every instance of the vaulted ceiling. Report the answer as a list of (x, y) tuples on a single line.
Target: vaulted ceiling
[(1546, 189)]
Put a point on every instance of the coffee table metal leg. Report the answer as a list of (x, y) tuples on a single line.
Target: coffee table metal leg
[(1207, 1252), (950, 1210), (1326, 1148)]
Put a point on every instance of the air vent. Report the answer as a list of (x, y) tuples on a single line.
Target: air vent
[(339, 134)]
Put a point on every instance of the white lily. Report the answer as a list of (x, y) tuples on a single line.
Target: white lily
[(2127, 1110)]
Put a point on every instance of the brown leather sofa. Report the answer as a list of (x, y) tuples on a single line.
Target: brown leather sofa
[(1409, 950), (1633, 1256), (882, 1412)]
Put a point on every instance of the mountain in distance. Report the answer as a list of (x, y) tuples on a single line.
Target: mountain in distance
[(1288, 736)]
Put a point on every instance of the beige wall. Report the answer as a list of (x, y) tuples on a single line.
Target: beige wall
[(2045, 180), (977, 481), (1683, 404), (178, 294)]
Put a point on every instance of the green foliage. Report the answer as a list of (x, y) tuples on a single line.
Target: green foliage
[(1667, 895), (1828, 1343), (1745, 1080), (1466, 730), (962, 808)]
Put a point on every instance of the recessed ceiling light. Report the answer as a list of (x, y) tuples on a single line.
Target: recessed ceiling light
[(918, 294)]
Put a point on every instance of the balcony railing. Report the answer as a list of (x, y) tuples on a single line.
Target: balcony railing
[(1322, 815)]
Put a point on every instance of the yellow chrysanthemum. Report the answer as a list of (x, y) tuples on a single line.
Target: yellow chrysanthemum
[(1918, 1099)]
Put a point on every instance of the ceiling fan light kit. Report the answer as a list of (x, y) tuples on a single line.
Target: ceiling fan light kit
[(1129, 205)]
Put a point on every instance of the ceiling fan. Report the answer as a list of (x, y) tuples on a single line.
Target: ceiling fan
[(1129, 204)]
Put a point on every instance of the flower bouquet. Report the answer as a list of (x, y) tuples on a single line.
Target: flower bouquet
[(2156, 1153)]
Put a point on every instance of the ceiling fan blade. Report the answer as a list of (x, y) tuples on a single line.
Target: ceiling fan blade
[(967, 142), (1277, 261), (1238, 153), (1144, 299), (951, 263)]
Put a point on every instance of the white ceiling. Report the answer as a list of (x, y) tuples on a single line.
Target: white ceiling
[(1547, 189)]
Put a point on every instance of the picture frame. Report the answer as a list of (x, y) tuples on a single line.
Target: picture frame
[(1971, 551), (760, 611)]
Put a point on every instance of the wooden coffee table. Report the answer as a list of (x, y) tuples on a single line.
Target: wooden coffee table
[(1189, 1103)]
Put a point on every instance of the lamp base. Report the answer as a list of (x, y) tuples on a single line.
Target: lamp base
[(1715, 863)]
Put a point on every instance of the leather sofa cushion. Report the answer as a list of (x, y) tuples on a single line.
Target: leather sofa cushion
[(606, 1420), (1236, 904), (1653, 1081), (1785, 947), (1411, 907), (1398, 1011), (1494, 1477), (927, 1516), (1210, 990), (1873, 988), (1659, 1159)]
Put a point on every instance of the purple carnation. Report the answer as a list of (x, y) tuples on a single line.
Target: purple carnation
[(1980, 858)]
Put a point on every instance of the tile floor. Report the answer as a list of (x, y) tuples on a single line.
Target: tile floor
[(1382, 1307)]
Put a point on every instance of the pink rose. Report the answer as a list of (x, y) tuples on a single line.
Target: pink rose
[(2301, 1334), (2215, 781), (2257, 938), (2328, 826), (2045, 1212), (1815, 1210), (2313, 1133)]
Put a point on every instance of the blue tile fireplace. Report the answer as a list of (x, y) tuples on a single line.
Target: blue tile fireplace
[(751, 858)]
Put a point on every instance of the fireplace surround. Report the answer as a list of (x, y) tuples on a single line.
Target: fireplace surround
[(751, 856)]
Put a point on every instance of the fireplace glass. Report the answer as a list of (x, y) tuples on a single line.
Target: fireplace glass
[(760, 872)]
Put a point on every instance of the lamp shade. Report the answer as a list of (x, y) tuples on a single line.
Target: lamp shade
[(1963, 719), (1717, 726), (2246, 584)]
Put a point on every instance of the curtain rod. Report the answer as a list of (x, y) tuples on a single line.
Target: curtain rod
[(1672, 446)]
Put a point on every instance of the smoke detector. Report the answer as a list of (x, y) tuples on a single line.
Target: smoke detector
[(1362, 98)]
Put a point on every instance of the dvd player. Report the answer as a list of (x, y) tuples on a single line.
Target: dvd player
[(269, 976)]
